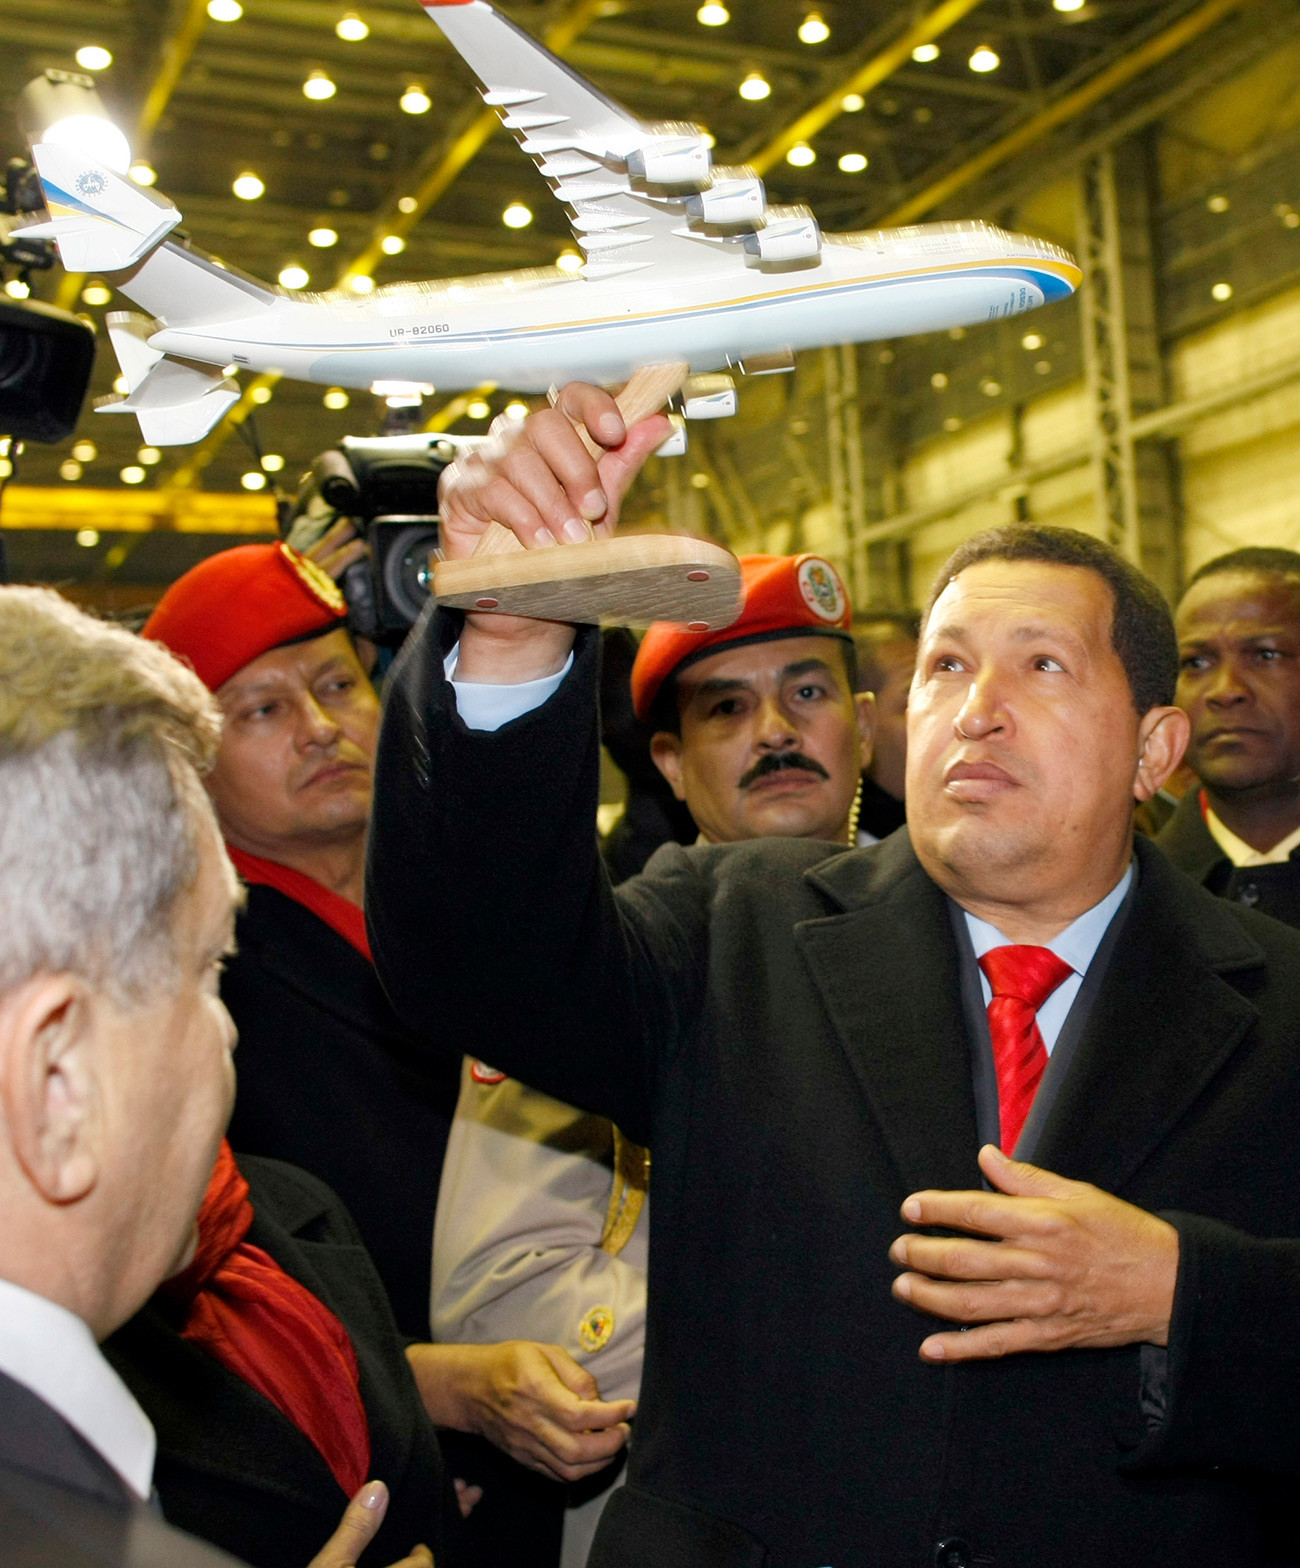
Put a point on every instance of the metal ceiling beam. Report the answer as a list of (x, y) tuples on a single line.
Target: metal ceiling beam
[(1122, 71), (862, 80)]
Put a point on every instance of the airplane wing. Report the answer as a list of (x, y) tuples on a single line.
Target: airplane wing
[(630, 187)]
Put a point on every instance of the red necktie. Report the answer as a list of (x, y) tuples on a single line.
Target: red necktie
[(1022, 979)]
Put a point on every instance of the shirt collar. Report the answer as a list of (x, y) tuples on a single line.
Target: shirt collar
[(1239, 851), (1077, 944), (52, 1352)]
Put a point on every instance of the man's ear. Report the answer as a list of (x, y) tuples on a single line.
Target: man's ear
[(865, 703), (49, 1089), (1162, 739), (666, 754)]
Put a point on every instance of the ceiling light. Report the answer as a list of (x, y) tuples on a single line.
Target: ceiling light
[(94, 134), (323, 238), (248, 187), (415, 100), (407, 204), (801, 155), (699, 481), (121, 386), (87, 538), (1218, 204), (853, 162), (254, 479), (1068, 5), (814, 29), (517, 216), (360, 282), (143, 174), (318, 86), (93, 57), (924, 53), (852, 102), (225, 10), (261, 394), (1043, 367), (272, 462), (294, 277), (85, 451), (480, 408), (984, 60), (132, 474), (569, 261), (1291, 220), (148, 455), (17, 289), (1221, 291), (392, 244), (516, 410), (1032, 341), (938, 381), (71, 469), (755, 87), (990, 388), (335, 398), (351, 29), (713, 14), (952, 423)]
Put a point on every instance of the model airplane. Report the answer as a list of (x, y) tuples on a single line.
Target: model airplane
[(683, 262)]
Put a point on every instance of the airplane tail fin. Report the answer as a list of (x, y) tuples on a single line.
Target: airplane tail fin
[(175, 400), (101, 221)]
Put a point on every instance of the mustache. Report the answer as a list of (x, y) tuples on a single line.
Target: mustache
[(778, 762)]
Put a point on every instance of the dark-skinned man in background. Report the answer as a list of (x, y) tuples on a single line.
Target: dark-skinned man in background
[(1237, 829), (810, 1045)]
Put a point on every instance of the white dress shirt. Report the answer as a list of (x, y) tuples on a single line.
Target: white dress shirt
[(485, 707), (1239, 851), (1077, 945), (51, 1351)]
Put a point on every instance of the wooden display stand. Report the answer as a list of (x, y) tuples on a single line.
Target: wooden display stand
[(641, 577)]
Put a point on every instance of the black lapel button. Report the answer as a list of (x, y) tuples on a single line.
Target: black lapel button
[(953, 1552), (1249, 895)]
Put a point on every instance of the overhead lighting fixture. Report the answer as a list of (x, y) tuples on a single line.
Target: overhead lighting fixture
[(85, 451), (478, 408), (1221, 291), (984, 60), (713, 14), (132, 474), (1032, 342), (569, 261), (17, 289), (94, 57), (149, 456), (939, 381), (755, 87), (248, 187), (1218, 204), (851, 103), (1068, 5), (924, 53), (323, 238), (225, 10), (121, 385), (516, 410), (392, 244), (319, 86), (351, 29), (87, 538), (143, 173), (254, 479), (294, 277), (991, 388), (360, 282), (335, 399), (801, 155), (407, 204), (853, 162), (262, 394), (71, 469), (814, 29), (517, 216), (272, 462), (66, 109), (415, 100)]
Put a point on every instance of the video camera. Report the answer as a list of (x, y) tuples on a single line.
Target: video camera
[(388, 486)]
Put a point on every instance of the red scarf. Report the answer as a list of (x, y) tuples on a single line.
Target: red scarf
[(335, 910), (269, 1330)]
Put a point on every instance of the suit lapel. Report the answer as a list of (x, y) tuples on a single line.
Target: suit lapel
[(1163, 1024), (886, 967)]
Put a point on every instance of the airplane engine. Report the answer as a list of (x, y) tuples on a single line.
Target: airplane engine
[(671, 160), (709, 397), (729, 201), (790, 234)]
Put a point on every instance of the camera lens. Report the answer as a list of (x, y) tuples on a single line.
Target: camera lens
[(408, 569)]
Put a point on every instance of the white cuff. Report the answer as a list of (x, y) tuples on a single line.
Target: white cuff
[(485, 707)]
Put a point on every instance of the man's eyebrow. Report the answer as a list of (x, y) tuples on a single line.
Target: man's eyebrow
[(805, 667), (1038, 632), (717, 686)]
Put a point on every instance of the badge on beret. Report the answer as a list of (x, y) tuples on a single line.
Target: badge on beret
[(822, 590), (480, 1072), (317, 582), (596, 1329)]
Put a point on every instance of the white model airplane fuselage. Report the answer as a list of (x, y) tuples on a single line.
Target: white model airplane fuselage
[(683, 262)]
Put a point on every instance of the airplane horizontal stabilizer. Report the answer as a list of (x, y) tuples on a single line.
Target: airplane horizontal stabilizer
[(129, 332), (101, 221), (177, 402)]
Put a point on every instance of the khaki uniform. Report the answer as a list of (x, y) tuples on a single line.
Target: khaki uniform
[(541, 1234)]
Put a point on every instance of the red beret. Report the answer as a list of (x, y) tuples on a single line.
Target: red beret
[(782, 596), (239, 604)]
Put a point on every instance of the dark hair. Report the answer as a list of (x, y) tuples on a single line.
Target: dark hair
[(664, 713), (1142, 628), (1253, 558), (887, 625)]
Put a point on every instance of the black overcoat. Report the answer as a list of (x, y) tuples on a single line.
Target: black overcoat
[(781, 1024), (1272, 890), (235, 1470)]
